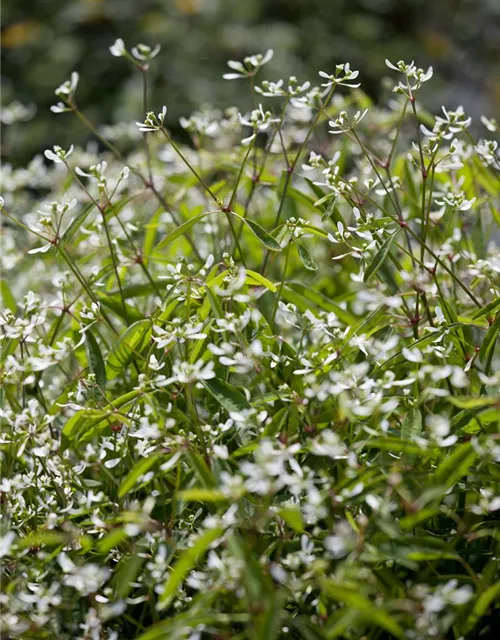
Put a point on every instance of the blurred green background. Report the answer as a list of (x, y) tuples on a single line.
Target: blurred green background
[(44, 40)]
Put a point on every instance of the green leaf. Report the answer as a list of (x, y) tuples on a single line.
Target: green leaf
[(305, 297), (293, 518), (202, 495), (8, 300), (412, 424), (226, 395), (262, 235), (332, 211), (126, 573), (396, 445), (259, 279), (115, 304), (139, 469), (481, 606), (82, 419), (490, 339), (172, 627), (112, 540), (201, 469), (379, 259), (41, 538), (128, 347), (182, 229), (306, 258), (370, 612), (487, 309), (315, 230), (454, 466), (186, 562), (463, 402), (150, 235), (74, 225), (413, 519), (95, 359), (84, 424)]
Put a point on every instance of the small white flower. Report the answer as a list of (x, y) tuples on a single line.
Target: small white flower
[(118, 48), (412, 355), (58, 154), (249, 66), (6, 543), (68, 88), (153, 122), (143, 52), (489, 123), (343, 76)]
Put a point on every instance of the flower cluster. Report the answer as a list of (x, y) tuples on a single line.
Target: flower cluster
[(253, 392)]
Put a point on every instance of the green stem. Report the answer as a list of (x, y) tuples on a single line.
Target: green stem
[(190, 166), (243, 164)]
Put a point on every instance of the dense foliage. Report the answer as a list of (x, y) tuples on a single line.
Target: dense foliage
[(250, 385)]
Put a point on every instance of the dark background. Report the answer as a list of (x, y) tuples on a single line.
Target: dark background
[(44, 40)]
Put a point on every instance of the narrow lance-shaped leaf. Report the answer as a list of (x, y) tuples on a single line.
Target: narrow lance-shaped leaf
[(74, 225), (187, 560), (8, 300), (306, 258), (126, 574), (202, 495), (454, 466), (412, 424), (95, 359), (260, 279), (474, 403), (481, 605), (365, 607), (489, 308), (142, 467), (128, 347), (182, 229), (262, 235), (379, 258), (227, 395), (490, 339)]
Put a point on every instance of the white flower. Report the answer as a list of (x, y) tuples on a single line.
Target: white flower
[(412, 355), (60, 107), (143, 52), (6, 543), (153, 122), (487, 150), (68, 88), (186, 373), (342, 542), (343, 76), (118, 48), (489, 123), (177, 332), (276, 89), (413, 75), (86, 579), (43, 249), (17, 112), (328, 444), (342, 124), (58, 155), (259, 120), (249, 66)]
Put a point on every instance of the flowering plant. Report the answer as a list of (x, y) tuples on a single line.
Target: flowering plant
[(250, 387)]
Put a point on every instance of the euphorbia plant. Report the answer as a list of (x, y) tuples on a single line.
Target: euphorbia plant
[(250, 384)]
